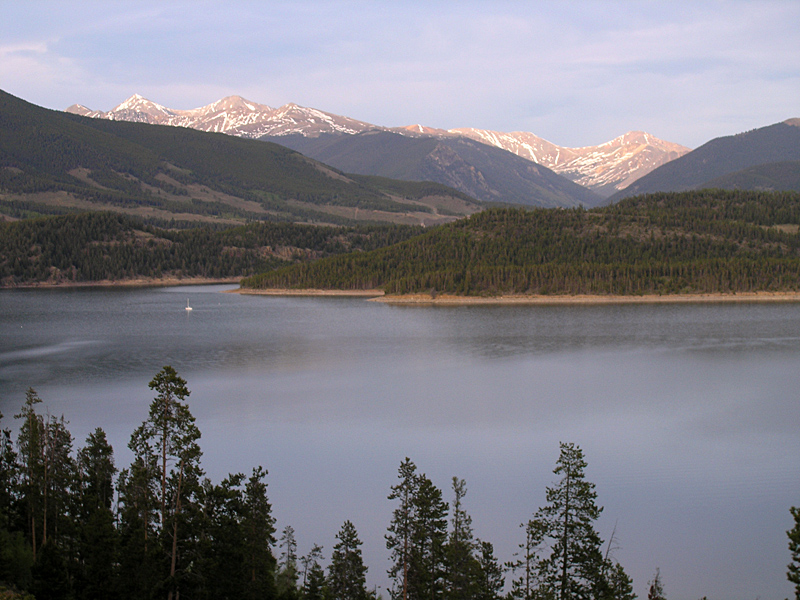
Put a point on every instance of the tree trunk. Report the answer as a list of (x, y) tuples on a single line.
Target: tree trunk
[(175, 532)]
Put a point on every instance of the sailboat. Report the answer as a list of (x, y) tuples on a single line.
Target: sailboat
[(187, 305)]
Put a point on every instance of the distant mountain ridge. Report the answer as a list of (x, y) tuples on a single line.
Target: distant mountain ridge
[(233, 115), (715, 163), (604, 169)]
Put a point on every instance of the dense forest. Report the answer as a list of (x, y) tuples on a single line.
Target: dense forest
[(670, 243), (73, 526), (91, 247), (665, 243)]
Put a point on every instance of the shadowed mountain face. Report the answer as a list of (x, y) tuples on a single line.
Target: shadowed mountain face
[(52, 162), (604, 169), (484, 172), (712, 163)]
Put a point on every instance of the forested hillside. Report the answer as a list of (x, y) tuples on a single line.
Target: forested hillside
[(93, 247), (708, 241), (51, 162)]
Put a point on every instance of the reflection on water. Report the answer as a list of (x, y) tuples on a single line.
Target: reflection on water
[(687, 414)]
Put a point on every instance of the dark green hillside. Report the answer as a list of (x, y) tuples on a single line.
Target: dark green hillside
[(51, 161), (93, 247), (720, 157), (710, 241), (769, 177), (479, 170)]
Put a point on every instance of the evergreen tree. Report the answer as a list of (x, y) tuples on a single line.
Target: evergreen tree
[(287, 572), (347, 573), (462, 566), (313, 574), (137, 513), (428, 542), (16, 557), (575, 566), (656, 588), (97, 542), (8, 480), (167, 440), (491, 576), (793, 573), (259, 537), (30, 443), (50, 576), (398, 538), (530, 564), (620, 585)]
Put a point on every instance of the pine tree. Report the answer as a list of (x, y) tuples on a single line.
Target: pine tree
[(428, 542), (793, 572), (620, 585), (461, 565), (347, 573), (656, 588), (491, 576), (97, 542), (398, 538), (575, 566), (258, 526), (530, 564), (313, 574), (30, 443), (287, 572), (167, 440)]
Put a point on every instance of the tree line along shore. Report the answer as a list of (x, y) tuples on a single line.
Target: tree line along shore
[(690, 243)]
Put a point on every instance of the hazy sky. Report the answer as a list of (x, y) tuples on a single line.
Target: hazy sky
[(576, 73)]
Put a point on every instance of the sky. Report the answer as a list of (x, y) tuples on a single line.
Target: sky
[(577, 73)]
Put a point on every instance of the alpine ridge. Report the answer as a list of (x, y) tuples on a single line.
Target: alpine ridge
[(605, 169)]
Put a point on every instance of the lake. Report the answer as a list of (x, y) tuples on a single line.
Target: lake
[(687, 414)]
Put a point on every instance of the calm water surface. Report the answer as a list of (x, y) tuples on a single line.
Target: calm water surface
[(688, 415)]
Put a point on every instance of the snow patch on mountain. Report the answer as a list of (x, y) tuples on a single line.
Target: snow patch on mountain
[(610, 166)]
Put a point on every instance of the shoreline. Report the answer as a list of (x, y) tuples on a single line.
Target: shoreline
[(111, 283), (449, 300), (369, 294), (377, 295)]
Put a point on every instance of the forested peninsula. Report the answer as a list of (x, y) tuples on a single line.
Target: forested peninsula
[(109, 248), (702, 242), (685, 244)]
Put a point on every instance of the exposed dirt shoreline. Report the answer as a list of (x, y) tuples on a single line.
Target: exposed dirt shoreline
[(592, 299), (370, 294), (446, 299), (376, 295), (140, 282)]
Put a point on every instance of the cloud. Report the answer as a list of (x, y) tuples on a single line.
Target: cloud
[(574, 72)]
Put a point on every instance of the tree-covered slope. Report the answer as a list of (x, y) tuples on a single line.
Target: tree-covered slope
[(769, 177), (92, 247), (55, 160), (709, 241)]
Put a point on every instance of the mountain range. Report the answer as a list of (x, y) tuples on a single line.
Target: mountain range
[(604, 169), (52, 162)]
